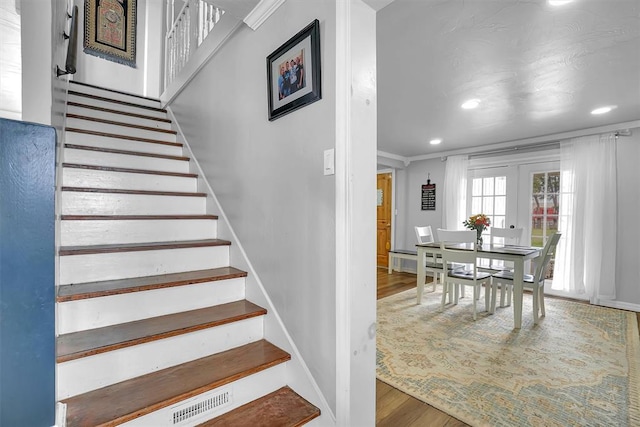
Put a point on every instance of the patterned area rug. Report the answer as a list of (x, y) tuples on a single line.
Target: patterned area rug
[(579, 367)]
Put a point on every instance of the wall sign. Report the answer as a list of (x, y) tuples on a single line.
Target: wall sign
[(428, 196)]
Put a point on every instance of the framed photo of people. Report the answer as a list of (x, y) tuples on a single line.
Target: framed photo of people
[(293, 72)]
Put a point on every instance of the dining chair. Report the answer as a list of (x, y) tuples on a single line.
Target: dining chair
[(469, 276), (533, 282), (424, 234), (503, 236)]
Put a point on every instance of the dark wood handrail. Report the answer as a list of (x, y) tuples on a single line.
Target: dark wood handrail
[(72, 48)]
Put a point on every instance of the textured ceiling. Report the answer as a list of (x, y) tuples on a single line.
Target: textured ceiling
[(537, 69)]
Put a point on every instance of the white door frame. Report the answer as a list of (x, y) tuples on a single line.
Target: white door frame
[(355, 166)]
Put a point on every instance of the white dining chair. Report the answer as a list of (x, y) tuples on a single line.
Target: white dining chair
[(533, 282), (469, 276), (503, 236), (424, 235)]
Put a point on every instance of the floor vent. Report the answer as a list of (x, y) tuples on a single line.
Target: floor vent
[(200, 406)]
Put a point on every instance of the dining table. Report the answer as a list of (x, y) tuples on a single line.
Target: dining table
[(514, 253)]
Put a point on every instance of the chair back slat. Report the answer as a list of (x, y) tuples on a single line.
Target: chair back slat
[(424, 234), (465, 256), (508, 235), (548, 252)]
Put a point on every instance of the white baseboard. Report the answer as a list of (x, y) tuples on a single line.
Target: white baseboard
[(620, 305)]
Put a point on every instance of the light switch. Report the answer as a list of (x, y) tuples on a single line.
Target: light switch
[(329, 162)]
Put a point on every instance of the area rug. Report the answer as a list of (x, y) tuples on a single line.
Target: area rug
[(580, 366), (110, 30)]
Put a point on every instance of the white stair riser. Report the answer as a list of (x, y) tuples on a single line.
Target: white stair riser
[(77, 177), (94, 313), (243, 391), (105, 232), (80, 203), (121, 265), (142, 121), (97, 158), (121, 144), (119, 130), (117, 106), (93, 372), (115, 95)]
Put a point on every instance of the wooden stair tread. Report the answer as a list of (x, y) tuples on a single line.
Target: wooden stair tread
[(116, 101), (139, 396), (123, 113), (113, 122), (80, 291), (114, 91), (125, 152), (120, 136), (282, 408), (129, 170), (136, 247), (101, 340), (141, 192)]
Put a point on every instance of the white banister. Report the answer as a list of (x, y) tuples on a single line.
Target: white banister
[(189, 29)]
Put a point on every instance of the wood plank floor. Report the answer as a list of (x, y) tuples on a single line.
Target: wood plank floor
[(393, 407)]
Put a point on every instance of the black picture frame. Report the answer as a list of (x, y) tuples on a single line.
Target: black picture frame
[(299, 55)]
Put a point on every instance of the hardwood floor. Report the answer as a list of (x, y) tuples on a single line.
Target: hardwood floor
[(393, 407)]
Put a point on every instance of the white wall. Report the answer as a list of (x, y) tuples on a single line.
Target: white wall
[(628, 249), (37, 69), (408, 187), (142, 80), (268, 176)]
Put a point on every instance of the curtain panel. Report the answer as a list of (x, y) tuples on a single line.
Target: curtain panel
[(586, 256), (454, 211)]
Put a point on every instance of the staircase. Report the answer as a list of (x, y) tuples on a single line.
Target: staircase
[(153, 326)]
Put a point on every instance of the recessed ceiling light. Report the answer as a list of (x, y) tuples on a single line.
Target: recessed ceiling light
[(470, 104), (603, 110), (559, 2), (435, 141)]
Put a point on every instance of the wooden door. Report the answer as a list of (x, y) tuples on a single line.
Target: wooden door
[(384, 219)]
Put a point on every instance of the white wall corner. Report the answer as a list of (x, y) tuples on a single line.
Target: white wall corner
[(261, 12)]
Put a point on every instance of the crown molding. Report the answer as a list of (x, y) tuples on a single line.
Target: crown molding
[(261, 12)]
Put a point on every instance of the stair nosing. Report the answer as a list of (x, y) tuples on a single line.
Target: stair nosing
[(115, 91), (140, 247), (129, 170), (141, 284), (136, 192), (241, 309), (126, 152), (117, 101), (123, 113), (126, 388), (123, 124), (263, 405), (126, 137)]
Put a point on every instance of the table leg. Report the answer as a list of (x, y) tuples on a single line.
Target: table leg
[(420, 259), (518, 274)]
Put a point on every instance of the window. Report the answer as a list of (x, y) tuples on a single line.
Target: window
[(489, 196), (545, 199)]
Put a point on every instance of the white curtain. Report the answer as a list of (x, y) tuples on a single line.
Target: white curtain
[(454, 211), (586, 256)]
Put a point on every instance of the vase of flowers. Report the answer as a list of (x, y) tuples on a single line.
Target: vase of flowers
[(478, 223)]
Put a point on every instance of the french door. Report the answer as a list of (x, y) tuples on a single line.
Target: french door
[(493, 192), (525, 195)]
